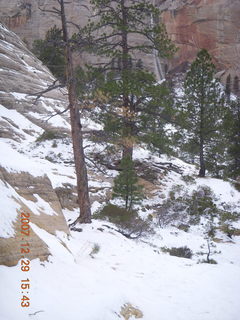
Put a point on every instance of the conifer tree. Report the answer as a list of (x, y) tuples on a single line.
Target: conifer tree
[(236, 85), (228, 86), (203, 107), (64, 43), (126, 184), (120, 32), (232, 128), (51, 52)]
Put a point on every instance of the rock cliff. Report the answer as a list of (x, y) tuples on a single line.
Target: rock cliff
[(192, 24), (24, 186), (210, 24)]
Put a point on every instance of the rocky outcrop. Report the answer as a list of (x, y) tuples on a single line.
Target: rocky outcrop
[(26, 193), (23, 76), (22, 121), (29, 20)]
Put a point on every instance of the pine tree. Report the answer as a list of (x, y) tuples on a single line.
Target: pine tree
[(228, 86), (203, 107), (128, 85), (51, 52), (236, 85), (126, 184), (232, 127), (65, 44)]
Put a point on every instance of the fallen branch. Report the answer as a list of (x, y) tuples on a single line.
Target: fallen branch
[(33, 314)]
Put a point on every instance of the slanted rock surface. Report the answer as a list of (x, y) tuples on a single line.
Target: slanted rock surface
[(24, 186), (23, 76)]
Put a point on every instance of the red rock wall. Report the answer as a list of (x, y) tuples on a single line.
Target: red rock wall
[(210, 24), (192, 24)]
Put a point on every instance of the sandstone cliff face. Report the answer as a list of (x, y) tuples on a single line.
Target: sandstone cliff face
[(192, 24), (21, 77), (24, 186), (27, 18), (210, 24)]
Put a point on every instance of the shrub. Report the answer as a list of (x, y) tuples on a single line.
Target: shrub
[(95, 250), (183, 227), (128, 222), (47, 135), (183, 252), (187, 208), (54, 144), (229, 216), (188, 179), (229, 230), (210, 261)]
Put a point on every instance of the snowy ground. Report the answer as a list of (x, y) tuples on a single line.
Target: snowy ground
[(77, 284)]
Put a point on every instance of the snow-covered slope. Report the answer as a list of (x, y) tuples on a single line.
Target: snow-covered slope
[(98, 274), (76, 284)]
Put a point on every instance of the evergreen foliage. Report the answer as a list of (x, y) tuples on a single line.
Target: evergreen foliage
[(228, 86), (51, 52), (126, 184), (203, 109), (236, 85), (232, 129), (127, 85)]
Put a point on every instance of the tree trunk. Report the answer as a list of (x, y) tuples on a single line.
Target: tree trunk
[(201, 151), (202, 163), (76, 130), (127, 112)]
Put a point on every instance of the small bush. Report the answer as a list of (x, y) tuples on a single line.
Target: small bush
[(229, 230), (183, 252), (210, 261), (95, 250), (185, 208), (51, 159), (128, 222), (54, 144), (47, 135), (183, 227), (188, 179), (229, 216)]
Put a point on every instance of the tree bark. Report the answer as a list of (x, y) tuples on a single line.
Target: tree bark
[(202, 170), (201, 151), (76, 130), (127, 112)]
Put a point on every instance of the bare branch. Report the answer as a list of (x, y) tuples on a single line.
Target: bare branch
[(95, 165), (53, 86), (58, 113)]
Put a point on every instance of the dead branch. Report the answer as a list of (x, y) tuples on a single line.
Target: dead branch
[(58, 113), (127, 235), (95, 165), (51, 87)]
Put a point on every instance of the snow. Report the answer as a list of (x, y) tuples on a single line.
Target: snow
[(40, 206), (13, 161), (19, 96), (8, 197), (21, 123), (223, 189), (74, 285), (58, 121)]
